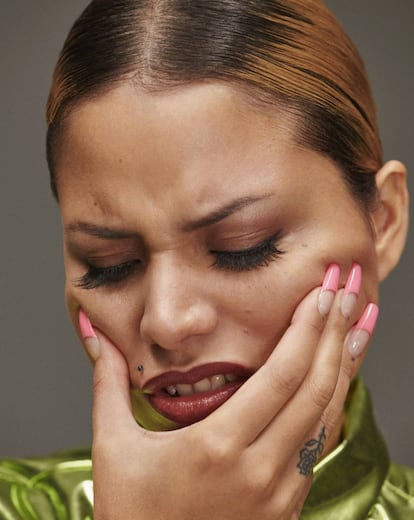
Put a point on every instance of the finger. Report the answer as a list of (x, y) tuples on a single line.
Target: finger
[(112, 411), (324, 391), (260, 398), (299, 413), (111, 398), (307, 406)]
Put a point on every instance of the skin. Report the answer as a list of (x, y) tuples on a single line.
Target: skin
[(150, 166)]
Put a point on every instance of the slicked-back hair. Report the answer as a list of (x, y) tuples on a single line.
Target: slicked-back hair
[(289, 54)]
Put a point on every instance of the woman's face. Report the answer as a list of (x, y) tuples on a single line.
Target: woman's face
[(194, 225)]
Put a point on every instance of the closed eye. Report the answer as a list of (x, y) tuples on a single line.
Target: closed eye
[(248, 259), (98, 276)]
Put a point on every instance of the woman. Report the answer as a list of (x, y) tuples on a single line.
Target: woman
[(227, 221)]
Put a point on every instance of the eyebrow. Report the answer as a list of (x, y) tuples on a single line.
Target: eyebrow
[(99, 231), (192, 225), (221, 213)]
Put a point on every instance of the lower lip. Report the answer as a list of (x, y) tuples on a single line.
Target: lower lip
[(192, 408)]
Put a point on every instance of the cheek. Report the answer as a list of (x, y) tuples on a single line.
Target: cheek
[(263, 307), (112, 313), (354, 244)]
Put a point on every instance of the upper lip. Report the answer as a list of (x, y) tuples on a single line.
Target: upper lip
[(195, 374)]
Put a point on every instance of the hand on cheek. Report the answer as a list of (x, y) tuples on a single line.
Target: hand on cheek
[(305, 381)]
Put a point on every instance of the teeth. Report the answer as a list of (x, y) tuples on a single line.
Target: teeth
[(172, 390), (218, 381), (204, 385), (185, 389)]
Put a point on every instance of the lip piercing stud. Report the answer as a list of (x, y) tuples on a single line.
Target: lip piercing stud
[(140, 368)]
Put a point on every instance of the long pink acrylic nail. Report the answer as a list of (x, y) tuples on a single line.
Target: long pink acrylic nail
[(89, 336), (329, 288), (363, 330), (86, 326), (351, 291)]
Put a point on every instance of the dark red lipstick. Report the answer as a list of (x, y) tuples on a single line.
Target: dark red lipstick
[(205, 388)]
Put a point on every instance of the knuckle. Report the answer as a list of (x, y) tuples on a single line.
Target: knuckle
[(282, 506), (310, 328), (284, 382), (98, 382), (330, 420), (260, 480), (315, 328), (321, 391), (259, 477), (347, 371), (215, 452)]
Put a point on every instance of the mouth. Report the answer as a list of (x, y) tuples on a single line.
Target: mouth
[(186, 398)]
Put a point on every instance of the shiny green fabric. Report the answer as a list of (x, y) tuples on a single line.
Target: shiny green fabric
[(355, 482)]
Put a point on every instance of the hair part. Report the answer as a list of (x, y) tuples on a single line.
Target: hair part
[(292, 54)]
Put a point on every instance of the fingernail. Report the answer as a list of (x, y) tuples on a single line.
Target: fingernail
[(329, 288), (351, 292), (359, 337), (88, 334)]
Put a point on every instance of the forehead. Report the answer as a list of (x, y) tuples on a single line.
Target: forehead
[(192, 146), (189, 118)]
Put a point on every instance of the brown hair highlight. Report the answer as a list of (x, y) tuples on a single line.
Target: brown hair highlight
[(288, 53)]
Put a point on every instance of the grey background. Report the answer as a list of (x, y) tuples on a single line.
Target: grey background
[(45, 395)]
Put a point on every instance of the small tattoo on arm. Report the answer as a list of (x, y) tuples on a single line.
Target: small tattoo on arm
[(310, 454)]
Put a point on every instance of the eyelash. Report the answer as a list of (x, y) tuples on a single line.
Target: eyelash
[(237, 261), (98, 276), (248, 259)]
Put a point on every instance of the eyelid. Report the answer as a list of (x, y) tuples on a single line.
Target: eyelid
[(100, 276), (259, 255), (275, 237), (247, 259)]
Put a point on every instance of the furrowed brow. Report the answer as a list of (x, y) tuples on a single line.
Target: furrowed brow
[(99, 231), (222, 213), (207, 220)]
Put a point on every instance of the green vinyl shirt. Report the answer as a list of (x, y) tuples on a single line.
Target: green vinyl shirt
[(356, 481)]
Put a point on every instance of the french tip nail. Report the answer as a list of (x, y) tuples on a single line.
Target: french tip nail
[(353, 283), (369, 318), (326, 299), (329, 287), (360, 336), (351, 290), (348, 304), (89, 336), (358, 342), (331, 279), (86, 326)]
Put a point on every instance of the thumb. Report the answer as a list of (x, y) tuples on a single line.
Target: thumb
[(111, 390)]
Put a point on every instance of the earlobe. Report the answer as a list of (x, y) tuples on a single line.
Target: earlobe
[(390, 218)]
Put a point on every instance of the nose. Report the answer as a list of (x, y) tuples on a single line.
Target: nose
[(177, 307)]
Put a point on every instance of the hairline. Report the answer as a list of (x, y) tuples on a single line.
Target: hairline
[(255, 97)]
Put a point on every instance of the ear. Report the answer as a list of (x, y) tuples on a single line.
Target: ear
[(390, 218)]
